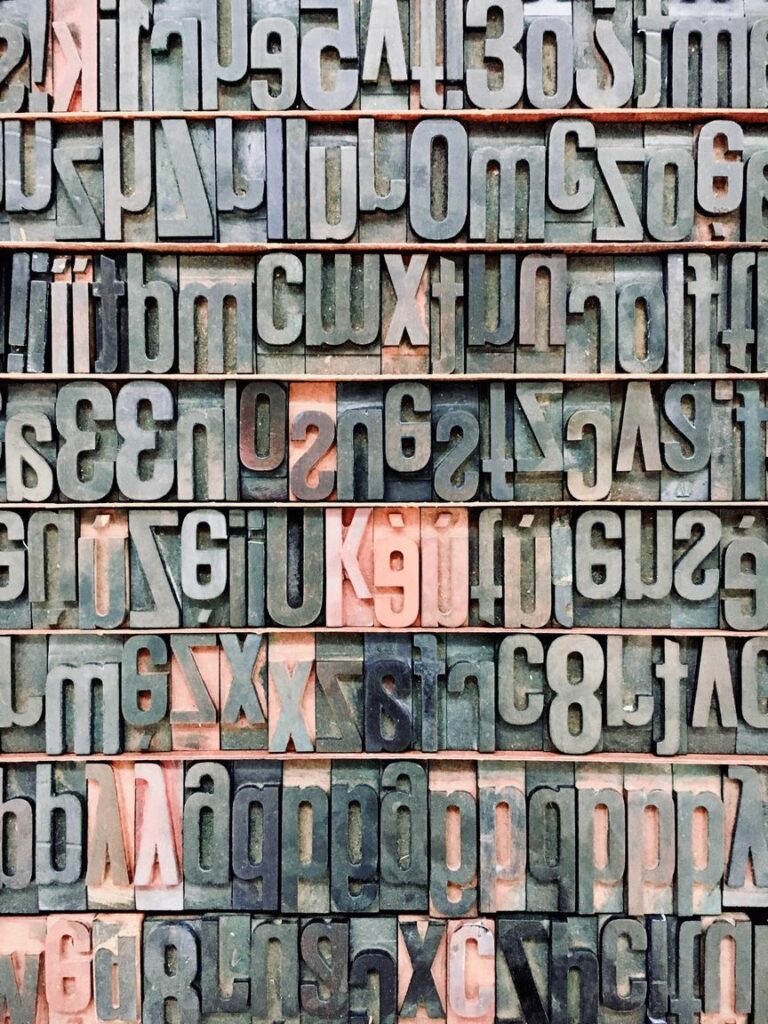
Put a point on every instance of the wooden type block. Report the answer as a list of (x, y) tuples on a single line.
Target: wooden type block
[(171, 960), (403, 854), (23, 663), (648, 571), (155, 557), (551, 873), (77, 157), (202, 451), (637, 462), (670, 718), (324, 966), (491, 312), (700, 839), (22, 967), (570, 144), (343, 328), (28, 443), (206, 828), (73, 72), (591, 326), (650, 832), (14, 593), (225, 962), (60, 818), (67, 956), (408, 442), (145, 694), (396, 540), (17, 76), (520, 693), (574, 950), (726, 447), (389, 715), (696, 598), (255, 836), (291, 675), (88, 443), (129, 206), (117, 966), (453, 841), (151, 322), (712, 717), (688, 409), (82, 695), (205, 579), (624, 945), (527, 554), (470, 695), (542, 315), (618, 203), (243, 688), (349, 563), (359, 442), (499, 209), (175, 43), (629, 693), (575, 667), (275, 970), (456, 452), (305, 839), (215, 309), (354, 838), (538, 431), (241, 211), (262, 430), (444, 567), (111, 794), (332, 190), (18, 892), (745, 883), (103, 584), (446, 316), (429, 678), (727, 969), (382, 158), (195, 692), (670, 173), (184, 180), (503, 832), (422, 965), (339, 694), (405, 313), (522, 968), (471, 971), (588, 442), (750, 736), (312, 455), (373, 970), (601, 840), (742, 545), (29, 194), (157, 876), (279, 313)]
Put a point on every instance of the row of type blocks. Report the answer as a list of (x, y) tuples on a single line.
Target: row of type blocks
[(376, 179), (341, 314), (452, 838), (427, 54), (329, 693)]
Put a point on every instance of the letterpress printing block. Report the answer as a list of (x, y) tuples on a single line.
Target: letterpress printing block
[(77, 158), (117, 966), (396, 583), (67, 958), (343, 325), (18, 884), (588, 437), (407, 442), (648, 569), (428, 664), (752, 721), (88, 443), (389, 721), (618, 187), (206, 826), (29, 194), (339, 694), (575, 667), (404, 864), (240, 180), (73, 72), (745, 883), (650, 839), (550, 883), (82, 695), (491, 312), (155, 548), (594, 36), (23, 663), (215, 315), (522, 968), (261, 426), (700, 839), (349, 566), (591, 327), (726, 454), (760, 995), (29, 442), (438, 189), (599, 574), (332, 187), (422, 964), (712, 715), (275, 970), (328, 82), (381, 155), (355, 838), (312, 455), (486, 557), (22, 949), (292, 701), (204, 569), (384, 42), (175, 43), (527, 575), (14, 590), (445, 567), (128, 146), (18, 35), (503, 829), (670, 173), (184, 180), (456, 424), (453, 841), (470, 705), (151, 320), (749, 442), (542, 316), (743, 547), (359, 442), (520, 697), (695, 597), (496, 442), (489, 85), (157, 877), (670, 717), (171, 961), (225, 960), (243, 684), (727, 970), (471, 971), (111, 836), (638, 452), (405, 314), (305, 840), (194, 692), (274, 54), (699, 73), (436, 55), (373, 970), (59, 829), (446, 316), (571, 148), (601, 839), (324, 965), (687, 413), (102, 572), (279, 312), (574, 949), (499, 209), (629, 693), (622, 956), (256, 836), (200, 439)]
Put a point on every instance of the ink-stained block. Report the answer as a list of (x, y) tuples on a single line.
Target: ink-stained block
[(324, 966), (503, 836), (312, 455), (18, 894), (444, 567), (373, 969), (244, 688), (291, 675), (206, 828), (389, 716), (453, 841), (339, 694), (522, 967), (359, 442), (82, 696), (629, 693), (261, 423), (103, 582), (405, 313), (520, 697), (700, 839), (470, 695), (602, 839), (345, 291), (354, 838), (745, 883), (275, 969), (551, 871), (60, 823), (422, 967), (145, 693), (305, 846), (403, 853), (23, 665), (255, 836)]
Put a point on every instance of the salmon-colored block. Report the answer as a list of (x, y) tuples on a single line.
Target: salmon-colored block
[(195, 697), (82, 321), (111, 825), (22, 940), (291, 676), (158, 877), (68, 955), (471, 971), (75, 65), (444, 567), (650, 839), (396, 567), (312, 452), (453, 844), (349, 567), (413, 1006)]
